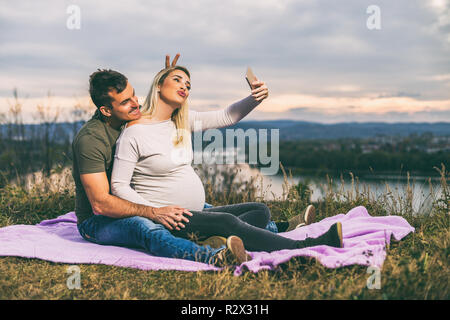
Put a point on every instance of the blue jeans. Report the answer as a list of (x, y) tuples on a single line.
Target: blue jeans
[(143, 233)]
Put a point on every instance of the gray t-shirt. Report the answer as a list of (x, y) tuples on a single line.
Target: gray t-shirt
[(148, 169)]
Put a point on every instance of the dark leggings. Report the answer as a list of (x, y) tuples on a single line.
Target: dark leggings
[(245, 220)]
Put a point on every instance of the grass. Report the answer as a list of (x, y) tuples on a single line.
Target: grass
[(415, 268)]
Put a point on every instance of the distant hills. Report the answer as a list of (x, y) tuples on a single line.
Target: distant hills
[(289, 129), (295, 130)]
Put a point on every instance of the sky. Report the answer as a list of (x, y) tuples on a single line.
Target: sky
[(323, 61)]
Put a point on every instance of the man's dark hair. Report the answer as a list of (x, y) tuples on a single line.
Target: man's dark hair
[(103, 81)]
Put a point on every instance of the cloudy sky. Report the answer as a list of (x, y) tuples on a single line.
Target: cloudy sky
[(323, 61)]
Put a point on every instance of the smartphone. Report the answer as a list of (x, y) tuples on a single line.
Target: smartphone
[(250, 77)]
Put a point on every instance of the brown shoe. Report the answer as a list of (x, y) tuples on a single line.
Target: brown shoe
[(302, 219), (333, 238), (233, 254), (310, 215), (214, 242)]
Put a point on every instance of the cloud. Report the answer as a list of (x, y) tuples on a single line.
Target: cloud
[(310, 53), (366, 104), (399, 108), (399, 94), (440, 28), (312, 115)]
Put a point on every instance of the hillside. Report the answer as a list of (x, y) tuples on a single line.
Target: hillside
[(289, 129)]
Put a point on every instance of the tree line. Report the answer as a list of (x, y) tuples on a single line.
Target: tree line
[(46, 147), (419, 154)]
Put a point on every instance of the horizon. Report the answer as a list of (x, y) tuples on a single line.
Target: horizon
[(38, 121)]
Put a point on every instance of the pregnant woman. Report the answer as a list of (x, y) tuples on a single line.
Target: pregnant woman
[(152, 166)]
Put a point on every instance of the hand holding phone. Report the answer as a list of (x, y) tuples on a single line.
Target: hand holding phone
[(250, 77), (259, 90)]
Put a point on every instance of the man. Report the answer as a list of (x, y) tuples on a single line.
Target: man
[(109, 220)]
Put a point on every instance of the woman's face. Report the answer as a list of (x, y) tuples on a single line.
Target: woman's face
[(175, 88)]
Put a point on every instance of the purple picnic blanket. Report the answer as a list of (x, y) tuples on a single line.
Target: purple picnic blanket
[(58, 240)]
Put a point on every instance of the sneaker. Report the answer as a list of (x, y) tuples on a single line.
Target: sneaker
[(341, 236), (333, 238), (302, 219), (335, 235), (233, 254), (214, 242), (309, 217)]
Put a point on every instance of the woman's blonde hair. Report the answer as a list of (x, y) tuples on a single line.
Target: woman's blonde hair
[(179, 116)]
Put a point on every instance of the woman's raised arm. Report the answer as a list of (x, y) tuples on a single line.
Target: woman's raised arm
[(233, 114)]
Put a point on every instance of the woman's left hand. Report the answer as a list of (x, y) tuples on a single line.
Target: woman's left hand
[(174, 62), (260, 90)]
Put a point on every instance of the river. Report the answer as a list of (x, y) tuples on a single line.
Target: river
[(395, 190)]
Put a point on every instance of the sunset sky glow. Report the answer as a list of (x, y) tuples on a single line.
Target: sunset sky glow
[(319, 58)]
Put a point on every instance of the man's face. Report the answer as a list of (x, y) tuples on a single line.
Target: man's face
[(125, 105)]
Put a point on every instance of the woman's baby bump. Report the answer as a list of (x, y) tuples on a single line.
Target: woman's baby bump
[(182, 187)]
